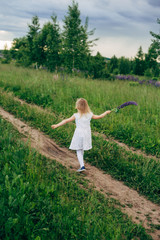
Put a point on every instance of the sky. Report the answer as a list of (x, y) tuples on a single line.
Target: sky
[(122, 26)]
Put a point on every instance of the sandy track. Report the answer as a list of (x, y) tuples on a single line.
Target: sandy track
[(126, 147), (135, 206)]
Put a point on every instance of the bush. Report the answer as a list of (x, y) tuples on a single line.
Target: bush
[(148, 72), (133, 84), (154, 79)]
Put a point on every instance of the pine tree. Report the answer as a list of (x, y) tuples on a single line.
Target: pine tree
[(32, 38), (156, 41), (153, 55), (139, 62), (76, 46), (50, 40)]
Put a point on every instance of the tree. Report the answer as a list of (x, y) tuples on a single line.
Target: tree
[(27, 48), (113, 64), (75, 39), (50, 39), (98, 66), (6, 55), (153, 55), (151, 61), (156, 41), (21, 51), (33, 40), (50, 48), (139, 62), (124, 65), (140, 54)]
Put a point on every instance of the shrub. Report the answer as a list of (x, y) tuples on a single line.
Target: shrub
[(148, 72), (133, 84)]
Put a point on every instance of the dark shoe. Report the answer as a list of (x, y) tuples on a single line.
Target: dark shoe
[(81, 169)]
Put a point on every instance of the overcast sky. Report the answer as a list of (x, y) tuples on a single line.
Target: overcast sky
[(122, 26)]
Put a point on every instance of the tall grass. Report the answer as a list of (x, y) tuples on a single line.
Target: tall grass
[(40, 199), (136, 171), (137, 126)]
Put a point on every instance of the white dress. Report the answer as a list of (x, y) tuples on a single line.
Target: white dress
[(82, 136)]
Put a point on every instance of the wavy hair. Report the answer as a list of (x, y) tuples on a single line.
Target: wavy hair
[(82, 106)]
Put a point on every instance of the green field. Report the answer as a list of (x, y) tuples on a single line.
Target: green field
[(137, 126), (35, 202), (58, 98), (41, 200)]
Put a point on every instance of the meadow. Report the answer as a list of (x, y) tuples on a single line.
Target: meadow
[(136, 126), (40, 199)]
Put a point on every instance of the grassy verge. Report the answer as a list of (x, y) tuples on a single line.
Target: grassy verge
[(136, 126), (136, 171), (40, 199)]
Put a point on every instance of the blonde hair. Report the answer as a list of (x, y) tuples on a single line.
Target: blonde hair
[(82, 106)]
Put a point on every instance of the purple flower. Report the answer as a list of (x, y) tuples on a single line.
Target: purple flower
[(127, 104)]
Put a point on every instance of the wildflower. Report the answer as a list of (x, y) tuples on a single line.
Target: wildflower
[(127, 104), (116, 110)]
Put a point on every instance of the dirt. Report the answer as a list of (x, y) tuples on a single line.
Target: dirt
[(123, 145), (134, 205)]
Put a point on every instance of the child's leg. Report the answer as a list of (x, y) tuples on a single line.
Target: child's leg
[(80, 154)]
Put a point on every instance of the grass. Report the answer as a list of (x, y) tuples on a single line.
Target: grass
[(137, 172), (40, 199), (139, 126)]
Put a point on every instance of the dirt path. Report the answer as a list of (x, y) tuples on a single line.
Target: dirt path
[(135, 206), (110, 139), (126, 147)]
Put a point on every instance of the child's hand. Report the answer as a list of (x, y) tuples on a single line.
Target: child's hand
[(54, 126), (116, 110)]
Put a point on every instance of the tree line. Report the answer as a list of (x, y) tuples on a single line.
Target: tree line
[(69, 49)]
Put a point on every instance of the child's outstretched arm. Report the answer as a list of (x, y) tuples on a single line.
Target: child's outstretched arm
[(63, 122), (101, 115)]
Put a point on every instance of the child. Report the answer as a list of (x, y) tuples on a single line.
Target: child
[(81, 140)]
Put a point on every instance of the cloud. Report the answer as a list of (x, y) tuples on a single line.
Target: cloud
[(155, 3), (6, 35), (4, 44), (118, 21), (15, 15), (121, 46), (26, 9)]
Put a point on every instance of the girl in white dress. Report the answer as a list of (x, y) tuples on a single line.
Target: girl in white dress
[(81, 140)]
